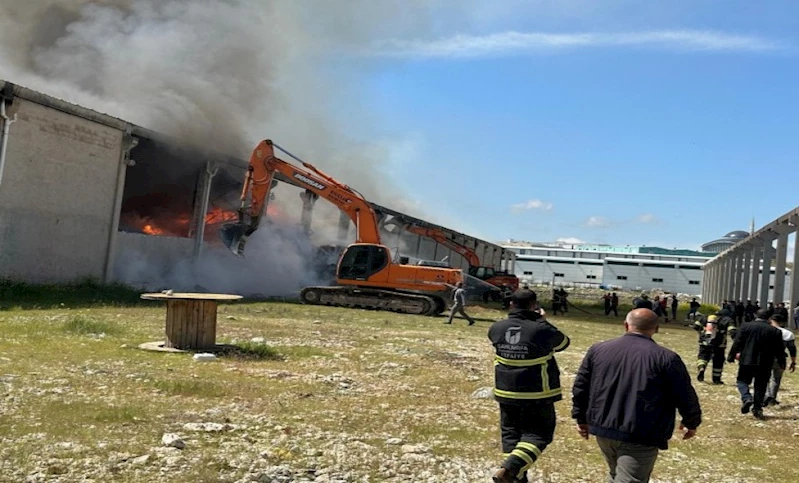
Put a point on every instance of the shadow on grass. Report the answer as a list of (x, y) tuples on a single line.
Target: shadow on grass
[(84, 294), (249, 351)]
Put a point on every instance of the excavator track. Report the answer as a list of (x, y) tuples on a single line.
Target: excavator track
[(374, 299)]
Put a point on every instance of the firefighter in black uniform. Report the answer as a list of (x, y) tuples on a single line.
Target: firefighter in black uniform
[(713, 330), (526, 385)]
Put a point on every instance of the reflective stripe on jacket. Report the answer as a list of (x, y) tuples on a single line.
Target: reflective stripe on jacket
[(524, 365)]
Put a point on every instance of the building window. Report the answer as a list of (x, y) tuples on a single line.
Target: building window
[(657, 280), (528, 273), (621, 277), (693, 282), (591, 277), (558, 274)]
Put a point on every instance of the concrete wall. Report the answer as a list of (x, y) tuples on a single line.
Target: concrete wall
[(650, 276), (545, 270), (57, 195)]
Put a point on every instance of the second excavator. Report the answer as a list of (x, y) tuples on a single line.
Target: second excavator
[(487, 274), (367, 276)]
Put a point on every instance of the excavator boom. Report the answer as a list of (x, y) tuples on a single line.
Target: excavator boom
[(366, 276), (259, 181)]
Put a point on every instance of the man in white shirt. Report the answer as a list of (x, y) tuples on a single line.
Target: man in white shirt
[(458, 304), (778, 321)]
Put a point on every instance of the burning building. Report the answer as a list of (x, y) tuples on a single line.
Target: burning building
[(84, 194)]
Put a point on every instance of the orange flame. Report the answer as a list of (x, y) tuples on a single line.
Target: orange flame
[(151, 230), (179, 225)]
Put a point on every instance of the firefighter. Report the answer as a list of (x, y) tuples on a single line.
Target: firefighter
[(527, 383), (713, 331)]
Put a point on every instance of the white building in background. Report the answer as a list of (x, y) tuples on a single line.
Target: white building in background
[(618, 270)]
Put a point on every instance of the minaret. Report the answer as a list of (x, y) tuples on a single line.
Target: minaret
[(752, 226)]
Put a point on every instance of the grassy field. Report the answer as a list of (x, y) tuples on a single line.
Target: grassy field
[(329, 395)]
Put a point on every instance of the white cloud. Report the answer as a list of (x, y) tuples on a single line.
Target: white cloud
[(531, 205), (646, 218), (570, 240), (504, 43), (597, 222)]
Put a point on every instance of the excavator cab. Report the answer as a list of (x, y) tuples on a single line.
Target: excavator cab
[(361, 261)]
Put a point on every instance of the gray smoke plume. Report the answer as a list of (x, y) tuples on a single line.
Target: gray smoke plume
[(228, 73), (224, 73)]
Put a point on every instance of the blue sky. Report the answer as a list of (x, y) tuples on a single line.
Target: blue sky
[(614, 122)]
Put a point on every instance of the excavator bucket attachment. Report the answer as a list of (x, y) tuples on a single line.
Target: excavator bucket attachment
[(234, 237)]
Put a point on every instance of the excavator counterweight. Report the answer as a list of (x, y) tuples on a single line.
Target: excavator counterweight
[(366, 275)]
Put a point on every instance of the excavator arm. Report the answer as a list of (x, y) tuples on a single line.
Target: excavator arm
[(487, 274), (260, 179), (441, 238)]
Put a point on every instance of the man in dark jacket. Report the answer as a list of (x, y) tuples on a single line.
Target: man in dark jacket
[(643, 302), (756, 346), (626, 393), (740, 310), (526, 383), (749, 311), (694, 307), (781, 310)]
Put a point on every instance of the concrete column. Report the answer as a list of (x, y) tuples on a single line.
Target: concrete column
[(714, 272), (705, 279), (725, 279), (128, 143), (343, 228), (309, 198), (731, 265), (201, 211), (735, 281), (768, 255), (714, 282), (754, 289), (795, 271), (779, 276), (746, 274)]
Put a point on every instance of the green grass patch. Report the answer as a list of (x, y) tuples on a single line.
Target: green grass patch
[(252, 350), (118, 415), (85, 293), (302, 351), (202, 388), (80, 325)]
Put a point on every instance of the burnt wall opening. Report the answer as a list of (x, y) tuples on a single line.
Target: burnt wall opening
[(163, 190)]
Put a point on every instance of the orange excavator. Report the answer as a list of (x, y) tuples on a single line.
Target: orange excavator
[(486, 274), (366, 275)]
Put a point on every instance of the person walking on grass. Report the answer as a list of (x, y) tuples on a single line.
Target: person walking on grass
[(756, 347), (626, 393), (458, 305), (789, 339), (526, 384), (713, 331), (796, 315), (674, 305), (614, 304)]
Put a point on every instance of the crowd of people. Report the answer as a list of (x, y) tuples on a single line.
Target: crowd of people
[(627, 390)]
